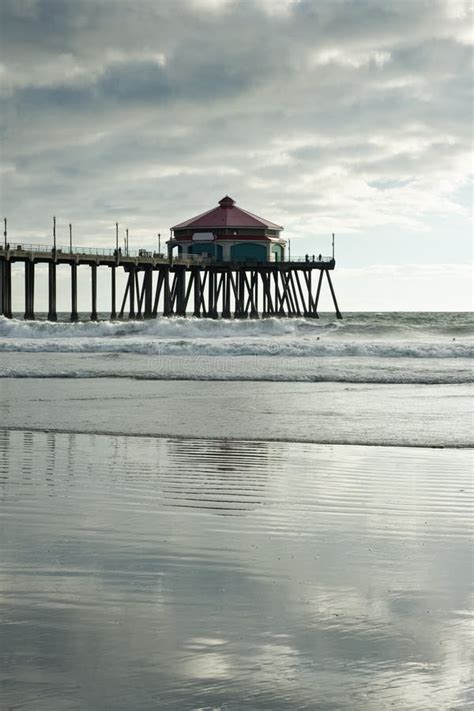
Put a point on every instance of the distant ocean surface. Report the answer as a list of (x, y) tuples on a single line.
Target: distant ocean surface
[(237, 515)]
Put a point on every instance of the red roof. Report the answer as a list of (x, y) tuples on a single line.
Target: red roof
[(226, 215)]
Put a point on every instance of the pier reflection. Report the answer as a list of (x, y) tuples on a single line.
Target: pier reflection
[(222, 476)]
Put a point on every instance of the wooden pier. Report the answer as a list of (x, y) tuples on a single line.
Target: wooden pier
[(177, 286)]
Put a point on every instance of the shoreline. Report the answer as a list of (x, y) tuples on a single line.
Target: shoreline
[(330, 414), (310, 380), (217, 438)]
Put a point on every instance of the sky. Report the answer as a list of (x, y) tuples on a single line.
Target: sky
[(345, 116)]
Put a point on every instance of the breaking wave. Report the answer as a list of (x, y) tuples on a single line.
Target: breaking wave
[(360, 335), (240, 347), (373, 326)]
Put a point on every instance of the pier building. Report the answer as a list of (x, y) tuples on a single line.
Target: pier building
[(227, 233)]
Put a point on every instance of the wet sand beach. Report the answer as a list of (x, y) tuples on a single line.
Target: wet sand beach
[(152, 573)]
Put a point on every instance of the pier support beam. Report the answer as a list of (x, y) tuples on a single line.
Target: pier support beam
[(113, 292), (211, 294), (158, 290), (94, 292), (131, 282), (167, 302), (239, 301), (74, 314), (253, 295), (267, 295), (180, 291), (148, 287), (338, 313), (29, 290), (139, 294), (304, 301), (6, 288), (196, 277), (279, 310), (318, 292), (226, 294), (52, 313)]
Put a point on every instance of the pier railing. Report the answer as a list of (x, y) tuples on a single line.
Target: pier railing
[(43, 252), (85, 251), (308, 259), (101, 252)]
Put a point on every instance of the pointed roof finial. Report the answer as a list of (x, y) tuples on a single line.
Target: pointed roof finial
[(226, 202)]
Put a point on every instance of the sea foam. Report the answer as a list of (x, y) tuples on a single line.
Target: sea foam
[(380, 337)]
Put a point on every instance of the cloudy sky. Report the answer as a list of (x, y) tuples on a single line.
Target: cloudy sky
[(345, 116)]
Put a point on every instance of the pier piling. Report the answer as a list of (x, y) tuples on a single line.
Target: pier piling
[(167, 304), (131, 292), (113, 291), (52, 313), (74, 314), (29, 290), (148, 289), (94, 292)]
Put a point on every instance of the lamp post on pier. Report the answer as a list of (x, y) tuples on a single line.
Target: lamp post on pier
[(5, 232), (54, 234), (70, 238)]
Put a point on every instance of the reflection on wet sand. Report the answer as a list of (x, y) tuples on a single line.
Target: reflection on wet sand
[(151, 573)]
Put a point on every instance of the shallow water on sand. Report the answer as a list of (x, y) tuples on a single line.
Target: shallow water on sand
[(323, 413), (144, 573)]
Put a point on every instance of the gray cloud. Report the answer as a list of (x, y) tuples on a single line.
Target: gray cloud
[(314, 113)]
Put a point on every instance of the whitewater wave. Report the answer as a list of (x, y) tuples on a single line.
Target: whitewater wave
[(242, 369), (160, 328), (241, 347), (373, 326)]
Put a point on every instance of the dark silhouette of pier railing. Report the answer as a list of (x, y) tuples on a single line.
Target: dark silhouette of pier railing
[(173, 286)]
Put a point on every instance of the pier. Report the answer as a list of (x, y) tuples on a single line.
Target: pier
[(181, 285)]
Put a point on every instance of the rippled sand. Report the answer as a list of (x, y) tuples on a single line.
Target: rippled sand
[(144, 573)]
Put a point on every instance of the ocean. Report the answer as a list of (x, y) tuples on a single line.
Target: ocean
[(218, 514)]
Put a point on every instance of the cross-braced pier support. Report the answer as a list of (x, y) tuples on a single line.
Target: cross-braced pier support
[(242, 292)]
